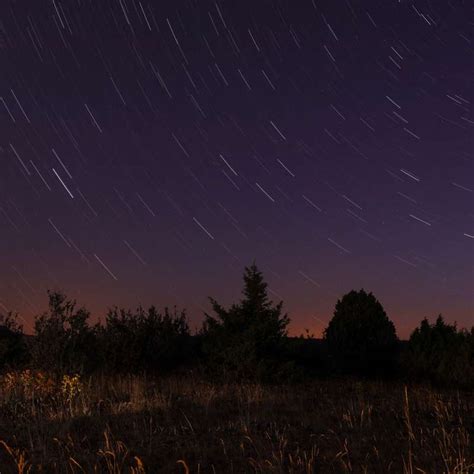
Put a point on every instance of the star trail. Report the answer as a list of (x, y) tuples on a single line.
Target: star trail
[(149, 150)]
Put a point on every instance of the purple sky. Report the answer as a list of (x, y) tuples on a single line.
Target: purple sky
[(149, 150)]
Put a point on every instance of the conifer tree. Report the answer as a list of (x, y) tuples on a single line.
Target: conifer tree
[(247, 339)]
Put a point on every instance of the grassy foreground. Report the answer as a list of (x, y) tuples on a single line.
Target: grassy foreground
[(179, 425)]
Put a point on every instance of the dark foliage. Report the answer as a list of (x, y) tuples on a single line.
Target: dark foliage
[(310, 355), (63, 341), (441, 354), (247, 340), (361, 338), (144, 340), (13, 348)]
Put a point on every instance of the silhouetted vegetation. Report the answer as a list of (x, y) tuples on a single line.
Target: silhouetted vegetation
[(137, 392), (309, 355), (360, 337), (63, 340), (441, 354), (13, 350), (150, 340), (247, 340)]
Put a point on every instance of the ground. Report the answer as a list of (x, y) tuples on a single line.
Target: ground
[(133, 424)]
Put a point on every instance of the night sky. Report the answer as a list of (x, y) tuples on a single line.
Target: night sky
[(149, 150)]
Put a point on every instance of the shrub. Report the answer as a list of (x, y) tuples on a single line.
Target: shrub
[(13, 349), (144, 340), (308, 353), (63, 341), (441, 354), (361, 338)]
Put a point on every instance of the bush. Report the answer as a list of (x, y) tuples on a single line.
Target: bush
[(247, 340), (441, 354), (361, 338), (13, 349), (63, 341), (144, 340), (308, 353)]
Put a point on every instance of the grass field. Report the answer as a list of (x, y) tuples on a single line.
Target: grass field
[(178, 425)]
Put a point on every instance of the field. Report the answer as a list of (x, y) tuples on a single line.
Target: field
[(178, 425)]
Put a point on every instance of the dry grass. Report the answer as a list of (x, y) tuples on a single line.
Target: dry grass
[(185, 425)]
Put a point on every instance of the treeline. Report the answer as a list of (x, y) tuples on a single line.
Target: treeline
[(248, 340)]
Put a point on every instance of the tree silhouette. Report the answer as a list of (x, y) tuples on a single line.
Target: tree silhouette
[(441, 354), (247, 339), (360, 336)]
